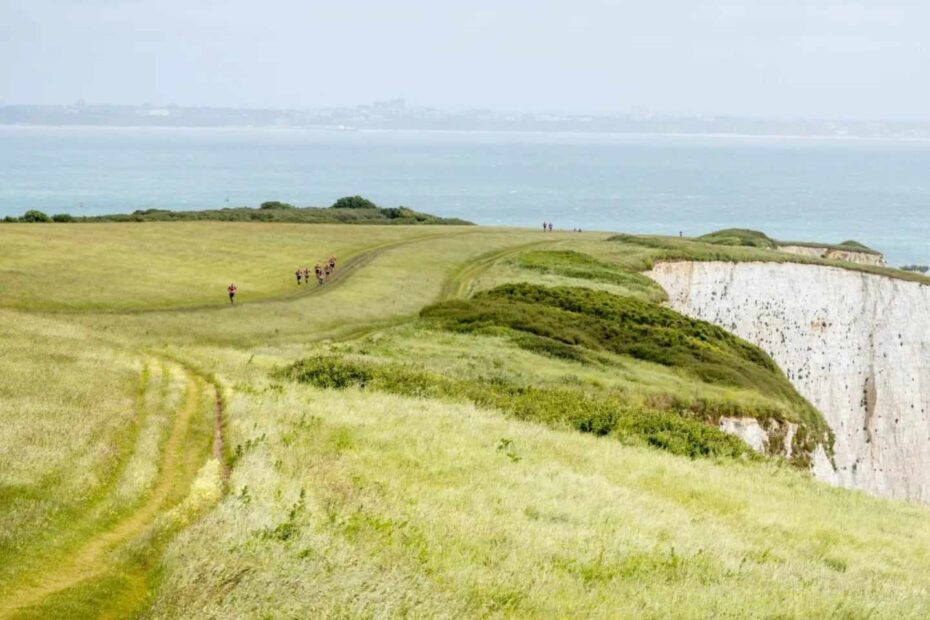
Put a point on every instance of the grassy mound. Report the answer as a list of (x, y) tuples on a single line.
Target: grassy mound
[(559, 408), (855, 245), (739, 237), (572, 264), (847, 246), (753, 238), (571, 321)]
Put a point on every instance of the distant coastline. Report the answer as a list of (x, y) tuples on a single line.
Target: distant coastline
[(396, 115), (502, 132)]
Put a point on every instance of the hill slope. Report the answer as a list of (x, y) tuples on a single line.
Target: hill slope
[(387, 437)]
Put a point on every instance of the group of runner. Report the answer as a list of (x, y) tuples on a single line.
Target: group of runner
[(303, 276), (322, 272)]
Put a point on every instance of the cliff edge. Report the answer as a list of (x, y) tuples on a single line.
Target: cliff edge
[(855, 344)]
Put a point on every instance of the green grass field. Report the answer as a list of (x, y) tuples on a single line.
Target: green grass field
[(464, 449)]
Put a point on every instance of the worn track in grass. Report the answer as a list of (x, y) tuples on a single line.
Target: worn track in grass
[(344, 270), (93, 558)]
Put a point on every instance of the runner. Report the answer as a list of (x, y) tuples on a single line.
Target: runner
[(319, 274), (298, 274), (231, 289), (545, 226), (332, 263), (307, 275), (550, 226)]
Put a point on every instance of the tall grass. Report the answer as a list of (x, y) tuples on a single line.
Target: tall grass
[(447, 498), (558, 407), (67, 410), (362, 504)]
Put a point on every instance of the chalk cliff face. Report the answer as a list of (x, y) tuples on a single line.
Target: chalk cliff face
[(850, 256), (856, 345)]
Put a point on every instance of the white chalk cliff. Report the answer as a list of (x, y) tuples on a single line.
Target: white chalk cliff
[(856, 345)]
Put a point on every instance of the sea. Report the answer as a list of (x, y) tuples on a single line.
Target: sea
[(793, 188)]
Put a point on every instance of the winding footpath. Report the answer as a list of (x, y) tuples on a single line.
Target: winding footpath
[(103, 556), (100, 555)]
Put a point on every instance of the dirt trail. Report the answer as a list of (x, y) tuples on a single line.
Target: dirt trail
[(459, 283), (91, 560), (344, 269)]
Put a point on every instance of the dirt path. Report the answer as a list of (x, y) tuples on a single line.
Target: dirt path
[(93, 558), (459, 284), (344, 270)]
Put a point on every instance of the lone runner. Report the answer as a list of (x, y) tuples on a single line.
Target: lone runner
[(231, 289)]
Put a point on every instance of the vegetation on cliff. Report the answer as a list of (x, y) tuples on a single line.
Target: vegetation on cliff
[(756, 239), (347, 210)]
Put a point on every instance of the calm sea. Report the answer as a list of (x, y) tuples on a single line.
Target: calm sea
[(831, 190)]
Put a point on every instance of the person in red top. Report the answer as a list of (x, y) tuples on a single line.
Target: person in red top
[(231, 289)]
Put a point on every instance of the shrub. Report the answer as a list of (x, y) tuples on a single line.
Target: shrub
[(667, 430), (274, 204), (584, 320), (62, 217), (916, 268), (353, 202), (330, 372), (35, 216)]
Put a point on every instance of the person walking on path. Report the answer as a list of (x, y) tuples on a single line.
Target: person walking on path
[(231, 289), (550, 226), (545, 226)]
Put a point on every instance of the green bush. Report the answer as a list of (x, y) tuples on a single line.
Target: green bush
[(353, 202), (667, 430), (585, 320), (274, 204), (283, 213), (330, 372), (62, 217), (35, 216)]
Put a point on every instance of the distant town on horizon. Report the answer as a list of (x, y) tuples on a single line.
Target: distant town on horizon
[(397, 114)]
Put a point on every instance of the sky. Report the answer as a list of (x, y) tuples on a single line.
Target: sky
[(761, 58)]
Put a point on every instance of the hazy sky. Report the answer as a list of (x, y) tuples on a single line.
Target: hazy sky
[(831, 58)]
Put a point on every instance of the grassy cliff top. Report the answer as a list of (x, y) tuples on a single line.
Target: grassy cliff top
[(462, 421), (667, 248), (753, 238)]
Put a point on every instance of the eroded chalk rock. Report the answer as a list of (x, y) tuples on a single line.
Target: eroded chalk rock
[(856, 345), (850, 256)]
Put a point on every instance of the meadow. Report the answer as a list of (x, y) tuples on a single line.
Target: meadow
[(164, 454)]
